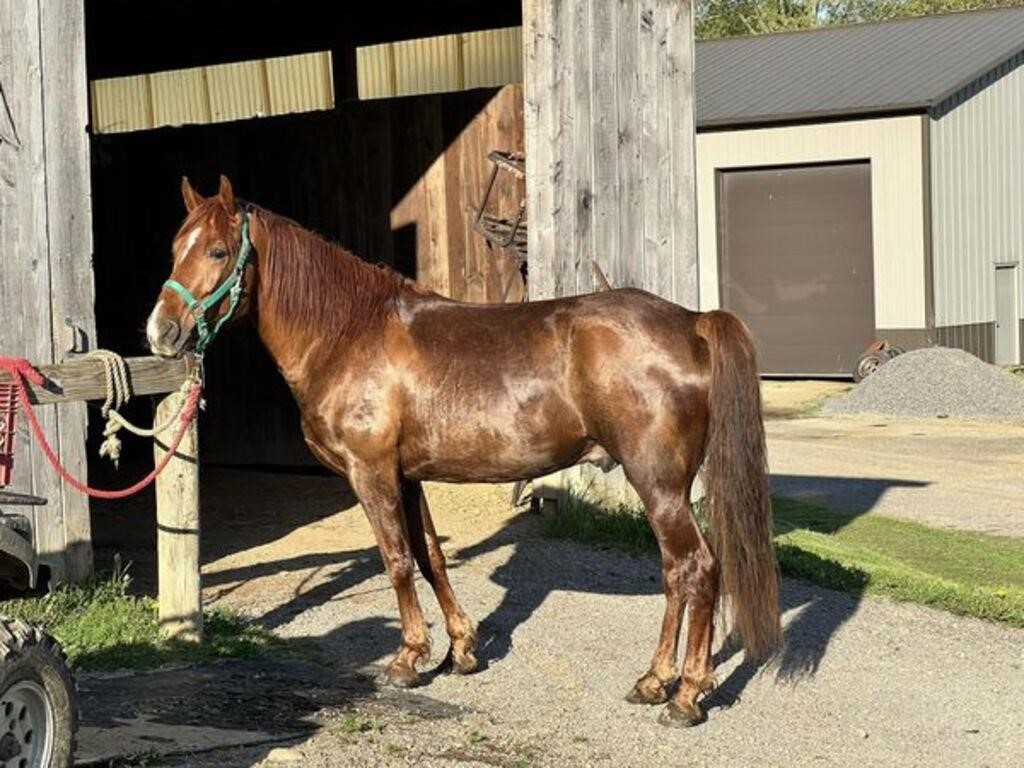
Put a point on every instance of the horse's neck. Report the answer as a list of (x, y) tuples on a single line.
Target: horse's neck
[(300, 341)]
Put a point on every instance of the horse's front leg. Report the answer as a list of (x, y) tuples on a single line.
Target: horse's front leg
[(379, 491)]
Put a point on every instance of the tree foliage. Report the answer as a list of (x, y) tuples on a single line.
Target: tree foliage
[(729, 18)]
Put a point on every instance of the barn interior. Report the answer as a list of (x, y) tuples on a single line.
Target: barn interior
[(358, 173)]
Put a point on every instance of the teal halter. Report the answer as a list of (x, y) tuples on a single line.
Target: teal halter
[(231, 287)]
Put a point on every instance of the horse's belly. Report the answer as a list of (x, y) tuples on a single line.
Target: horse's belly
[(491, 447)]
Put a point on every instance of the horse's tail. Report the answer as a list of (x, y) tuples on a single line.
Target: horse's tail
[(736, 483)]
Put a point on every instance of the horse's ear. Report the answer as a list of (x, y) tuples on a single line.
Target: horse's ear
[(190, 196), (226, 194)]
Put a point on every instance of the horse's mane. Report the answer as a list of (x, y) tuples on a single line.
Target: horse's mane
[(310, 282)]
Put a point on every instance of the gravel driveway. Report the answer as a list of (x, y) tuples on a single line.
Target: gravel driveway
[(566, 629), (948, 474)]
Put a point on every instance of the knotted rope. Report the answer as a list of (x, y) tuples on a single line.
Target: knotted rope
[(115, 374)]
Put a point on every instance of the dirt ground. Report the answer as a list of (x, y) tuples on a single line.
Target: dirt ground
[(565, 629), (793, 398)]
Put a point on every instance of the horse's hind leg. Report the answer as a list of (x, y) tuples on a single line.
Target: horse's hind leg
[(670, 518), (427, 551), (698, 669)]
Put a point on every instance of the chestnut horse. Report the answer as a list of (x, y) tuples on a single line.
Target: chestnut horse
[(398, 385)]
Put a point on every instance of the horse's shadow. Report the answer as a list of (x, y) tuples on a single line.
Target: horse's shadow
[(813, 614)]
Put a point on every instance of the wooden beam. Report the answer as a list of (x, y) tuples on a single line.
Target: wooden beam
[(177, 532), (69, 228), (83, 379)]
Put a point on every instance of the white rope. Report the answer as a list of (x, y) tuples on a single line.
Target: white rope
[(115, 374)]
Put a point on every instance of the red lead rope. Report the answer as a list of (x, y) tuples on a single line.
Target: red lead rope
[(20, 370)]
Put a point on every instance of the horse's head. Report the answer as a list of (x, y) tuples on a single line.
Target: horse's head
[(210, 274)]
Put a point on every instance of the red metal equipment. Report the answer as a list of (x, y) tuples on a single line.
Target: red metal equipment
[(8, 413)]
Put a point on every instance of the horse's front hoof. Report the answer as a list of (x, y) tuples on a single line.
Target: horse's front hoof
[(400, 676), (648, 690), (677, 715)]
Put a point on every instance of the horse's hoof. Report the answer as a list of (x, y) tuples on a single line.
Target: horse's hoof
[(648, 690), (464, 664), (400, 676), (681, 716)]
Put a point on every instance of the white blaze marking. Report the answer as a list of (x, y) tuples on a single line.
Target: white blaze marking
[(189, 242)]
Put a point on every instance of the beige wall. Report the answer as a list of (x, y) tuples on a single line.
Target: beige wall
[(978, 194), (895, 147)]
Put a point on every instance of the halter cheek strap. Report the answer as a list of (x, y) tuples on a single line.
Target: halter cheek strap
[(232, 287)]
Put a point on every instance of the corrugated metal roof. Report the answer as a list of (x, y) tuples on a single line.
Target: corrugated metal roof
[(277, 86), (862, 69)]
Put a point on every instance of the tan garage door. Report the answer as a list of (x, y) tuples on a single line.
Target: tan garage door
[(796, 265)]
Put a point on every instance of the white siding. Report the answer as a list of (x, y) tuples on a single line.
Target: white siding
[(977, 194), (895, 148)]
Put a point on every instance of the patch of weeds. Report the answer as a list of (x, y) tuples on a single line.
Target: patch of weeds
[(393, 749), (620, 528), (102, 626), (353, 724), (475, 737)]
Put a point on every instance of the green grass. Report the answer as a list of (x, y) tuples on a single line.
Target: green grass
[(619, 528), (964, 573), (102, 626)]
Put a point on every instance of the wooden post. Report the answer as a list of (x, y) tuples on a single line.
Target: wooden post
[(177, 531)]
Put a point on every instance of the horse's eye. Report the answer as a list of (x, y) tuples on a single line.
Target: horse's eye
[(218, 253)]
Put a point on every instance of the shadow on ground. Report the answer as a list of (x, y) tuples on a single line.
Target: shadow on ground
[(855, 495)]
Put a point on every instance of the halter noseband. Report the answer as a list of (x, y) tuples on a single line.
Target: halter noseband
[(232, 287)]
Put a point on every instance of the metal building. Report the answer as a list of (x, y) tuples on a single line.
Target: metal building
[(864, 182)]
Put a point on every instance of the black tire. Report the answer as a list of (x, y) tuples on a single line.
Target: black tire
[(37, 692), (868, 364)]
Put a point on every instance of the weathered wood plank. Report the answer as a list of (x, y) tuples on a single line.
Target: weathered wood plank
[(81, 378), (655, 158), (69, 225), (630, 137), (537, 85), (677, 71), (563, 115), (583, 250), (177, 533), (25, 262), (605, 141)]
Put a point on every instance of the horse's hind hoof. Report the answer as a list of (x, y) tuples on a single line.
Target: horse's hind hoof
[(400, 676), (464, 664), (681, 716)]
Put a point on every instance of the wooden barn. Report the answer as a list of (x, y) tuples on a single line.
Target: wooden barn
[(375, 131)]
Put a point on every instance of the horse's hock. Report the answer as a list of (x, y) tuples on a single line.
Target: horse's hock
[(83, 378)]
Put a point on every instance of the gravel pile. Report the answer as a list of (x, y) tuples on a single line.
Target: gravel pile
[(936, 381)]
